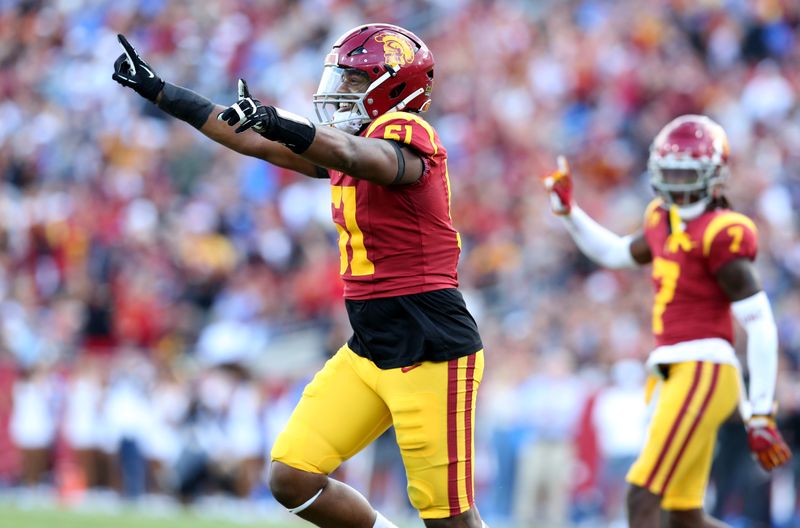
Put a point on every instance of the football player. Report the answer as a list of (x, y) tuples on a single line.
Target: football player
[(415, 359), (702, 256)]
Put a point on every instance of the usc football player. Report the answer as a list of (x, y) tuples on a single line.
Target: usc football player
[(702, 271), (415, 359)]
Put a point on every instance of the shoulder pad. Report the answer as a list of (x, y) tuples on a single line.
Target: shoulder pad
[(720, 222)]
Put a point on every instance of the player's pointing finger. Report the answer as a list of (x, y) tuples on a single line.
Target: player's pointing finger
[(563, 165), (130, 52), (244, 92)]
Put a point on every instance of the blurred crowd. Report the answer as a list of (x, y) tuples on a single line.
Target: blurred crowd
[(162, 300)]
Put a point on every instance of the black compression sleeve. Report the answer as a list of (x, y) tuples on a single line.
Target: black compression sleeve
[(185, 105), (401, 163)]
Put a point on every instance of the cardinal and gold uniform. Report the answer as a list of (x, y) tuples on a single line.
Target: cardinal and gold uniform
[(415, 359), (693, 328)]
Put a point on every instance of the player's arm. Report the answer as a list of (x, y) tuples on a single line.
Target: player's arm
[(750, 306), (132, 71), (381, 161), (602, 246), (377, 160), (252, 144)]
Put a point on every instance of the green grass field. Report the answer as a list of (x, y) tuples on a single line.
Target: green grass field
[(12, 517)]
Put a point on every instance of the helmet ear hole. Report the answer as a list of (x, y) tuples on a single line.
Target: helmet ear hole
[(397, 90)]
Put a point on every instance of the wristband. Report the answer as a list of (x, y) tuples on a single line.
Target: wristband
[(294, 131)]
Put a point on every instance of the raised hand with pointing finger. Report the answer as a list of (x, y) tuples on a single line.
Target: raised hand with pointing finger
[(132, 71), (559, 186), (289, 129)]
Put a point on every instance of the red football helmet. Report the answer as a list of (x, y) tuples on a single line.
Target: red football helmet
[(689, 163), (372, 70)]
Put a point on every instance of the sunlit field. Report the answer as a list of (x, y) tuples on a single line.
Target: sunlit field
[(23, 514), (14, 517)]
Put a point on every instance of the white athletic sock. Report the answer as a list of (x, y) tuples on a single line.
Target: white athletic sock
[(383, 522)]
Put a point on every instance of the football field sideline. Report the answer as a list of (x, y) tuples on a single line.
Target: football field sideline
[(14, 517)]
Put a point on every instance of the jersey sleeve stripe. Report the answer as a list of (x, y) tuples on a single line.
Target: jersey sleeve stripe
[(651, 207), (407, 117), (720, 223)]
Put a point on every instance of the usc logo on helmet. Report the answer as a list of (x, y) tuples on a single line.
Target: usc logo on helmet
[(397, 50)]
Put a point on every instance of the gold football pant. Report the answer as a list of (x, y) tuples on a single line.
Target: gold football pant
[(693, 402), (350, 402)]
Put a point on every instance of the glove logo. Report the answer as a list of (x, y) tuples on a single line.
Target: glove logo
[(148, 70)]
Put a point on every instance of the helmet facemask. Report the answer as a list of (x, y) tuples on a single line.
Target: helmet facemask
[(339, 100), (689, 184), (688, 164)]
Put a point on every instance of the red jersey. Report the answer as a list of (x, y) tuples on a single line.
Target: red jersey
[(397, 240), (689, 304)]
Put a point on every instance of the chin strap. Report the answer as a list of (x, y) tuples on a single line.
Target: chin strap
[(678, 239), (352, 127)]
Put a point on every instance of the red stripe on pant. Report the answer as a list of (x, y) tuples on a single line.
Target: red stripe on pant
[(468, 427), (698, 370), (696, 422), (452, 436)]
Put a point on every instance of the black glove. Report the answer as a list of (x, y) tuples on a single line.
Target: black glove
[(131, 71), (294, 131), (247, 112)]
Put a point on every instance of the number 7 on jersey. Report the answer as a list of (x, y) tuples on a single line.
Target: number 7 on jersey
[(668, 272)]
